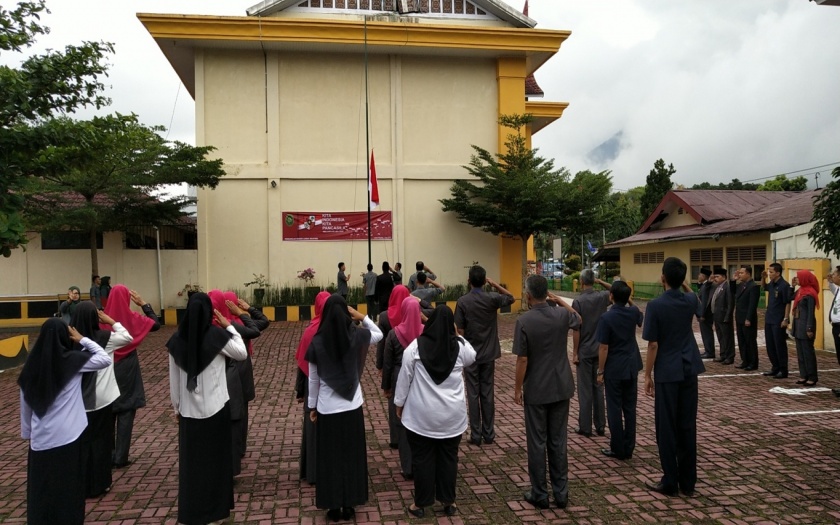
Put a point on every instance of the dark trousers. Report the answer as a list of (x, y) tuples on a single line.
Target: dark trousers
[(726, 339), (590, 396), (675, 410), (480, 379), (777, 350), (371, 307), (125, 426), (621, 401), (435, 465), (807, 358), (707, 333), (546, 430), (748, 344), (835, 332)]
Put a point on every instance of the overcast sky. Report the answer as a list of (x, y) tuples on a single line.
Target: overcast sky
[(722, 89)]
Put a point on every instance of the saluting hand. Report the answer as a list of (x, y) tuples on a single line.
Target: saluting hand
[(136, 298), (105, 318), (221, 318), (234, 309), (75, 336)]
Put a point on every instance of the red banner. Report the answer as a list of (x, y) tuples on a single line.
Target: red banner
[(336, 226)]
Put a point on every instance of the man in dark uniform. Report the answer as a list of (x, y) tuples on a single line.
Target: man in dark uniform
[(704, 313), (384, 285), (542, 368), (673, 363), (776, 320), (746, 318), (476, 320), (722, 304)]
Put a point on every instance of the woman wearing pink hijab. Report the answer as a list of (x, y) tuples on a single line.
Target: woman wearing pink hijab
[(805, 303), (398, 339), (127, 364), (307, 440), (388, 319)]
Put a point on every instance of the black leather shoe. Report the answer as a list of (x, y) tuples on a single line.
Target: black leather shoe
[(417, 513), (770, 373), (662, 489), (706, 355), (688, 493), (750, 368), (476, 442), (740, 366), (600, 432), (728, 362), (561, 503), (836, 391), (123, 465), (801, 382), (347, 513), (540, 504), (781, 375), (489, 441), (394, 445), (717, 360), (407, 476), (583, 433), (610, 454), (334, 514), (450, 510)]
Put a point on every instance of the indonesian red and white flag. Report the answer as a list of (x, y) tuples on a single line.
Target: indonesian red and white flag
[(373, 187)]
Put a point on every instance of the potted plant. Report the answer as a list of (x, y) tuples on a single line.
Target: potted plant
[(259, 292), (188, 290)]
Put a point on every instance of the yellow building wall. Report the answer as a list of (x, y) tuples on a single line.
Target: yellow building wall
[(820, 268)]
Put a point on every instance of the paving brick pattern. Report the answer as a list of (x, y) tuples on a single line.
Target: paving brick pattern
[(754, 466)]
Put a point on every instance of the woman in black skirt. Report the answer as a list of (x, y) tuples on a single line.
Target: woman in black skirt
[(52, 418), (198, 387), (336, 357)]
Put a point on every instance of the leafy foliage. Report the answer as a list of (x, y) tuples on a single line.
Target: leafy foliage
[(826, 217), (782, 183), (657, 184), (55, 82), (102, 174), (734, 185)]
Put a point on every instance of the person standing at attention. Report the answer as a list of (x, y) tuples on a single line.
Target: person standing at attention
[(369, 280), (544, 385), (96, 292), (746, 318), (671, 370), (590, 305), (805, 303), (705, 287), (476, 320), (341, 281), (776, 320)]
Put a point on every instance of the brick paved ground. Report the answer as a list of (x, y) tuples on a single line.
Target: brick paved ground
[(755, 465)]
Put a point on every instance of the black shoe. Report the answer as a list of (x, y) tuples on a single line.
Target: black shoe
[(417, 513), (728, 362), (740, 366), (540, 504), (717, 360), (561, 503), (706, 355), (333, 514), (836, 391), (688, 493), (662, 489), (450, 510), (750, 368), (407, 476), (475, 441), (600, 432), (610, 454), (394, 445), (770, 373), (781, 375), (583, 433), (489, 441), (801, 382), (347, 513), (123, 465)]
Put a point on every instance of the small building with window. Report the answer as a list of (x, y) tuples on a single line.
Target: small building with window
[(710, 228)]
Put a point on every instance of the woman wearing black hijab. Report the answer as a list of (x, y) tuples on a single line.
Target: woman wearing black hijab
[(199, 394), (52, 418), (431, 405), (336, 358)]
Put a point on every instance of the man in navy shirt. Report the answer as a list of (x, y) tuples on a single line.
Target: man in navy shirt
[(674, 361), (776, 319), (619, 363)]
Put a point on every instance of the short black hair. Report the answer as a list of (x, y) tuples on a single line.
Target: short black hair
[(537, 287), (421, 277), (747, 269), (94, 277), (385, 266), (674, 271), (340, 265), (777, 267), (478, 276), (419, 265), (620, 292), (370, 267), (719, 270), (398, 265)]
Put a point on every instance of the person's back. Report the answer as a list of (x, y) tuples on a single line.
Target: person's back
[(548, 377), (477, 313), (668, 319), (590, 304)]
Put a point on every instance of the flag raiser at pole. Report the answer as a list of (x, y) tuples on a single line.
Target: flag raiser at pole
[(373, 187)]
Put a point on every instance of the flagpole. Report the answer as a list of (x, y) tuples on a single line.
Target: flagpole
[(367, 143)]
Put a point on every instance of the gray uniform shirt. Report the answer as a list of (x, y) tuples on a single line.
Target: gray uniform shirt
[(370, 283), (591, 305), (341, 283), (427, 294)]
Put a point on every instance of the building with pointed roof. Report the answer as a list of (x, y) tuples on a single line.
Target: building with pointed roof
[(282, 93)]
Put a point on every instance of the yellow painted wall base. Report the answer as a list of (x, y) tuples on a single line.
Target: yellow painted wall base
[(170, 316), (269, 312), (13, 351)]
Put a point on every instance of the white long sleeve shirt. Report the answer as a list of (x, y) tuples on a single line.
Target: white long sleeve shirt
[(65, 420), (211, 391), (107, 390), (433, 411), (325, 399)]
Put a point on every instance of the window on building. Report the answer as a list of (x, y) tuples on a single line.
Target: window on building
[(68, 240), (751, 256), (649, 258), (701, 257)]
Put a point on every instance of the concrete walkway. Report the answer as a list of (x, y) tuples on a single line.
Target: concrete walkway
[(764, 457)]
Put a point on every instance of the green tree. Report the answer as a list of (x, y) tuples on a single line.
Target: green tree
[(826, 217), (104, 174), (55, 82), (734, 185), (519, 193), (623, 214), (657, 184), (782, 183)]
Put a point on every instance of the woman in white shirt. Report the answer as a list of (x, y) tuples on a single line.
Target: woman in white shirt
[(431, 404), (199, 394), (52, 418), (336, 359), (99, 391)]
